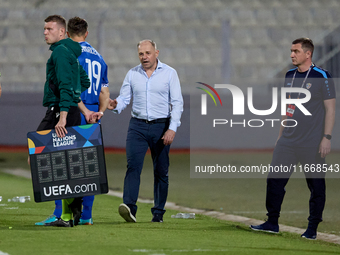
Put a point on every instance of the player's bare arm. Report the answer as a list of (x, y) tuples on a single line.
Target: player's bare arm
[(104, 98), (90, 116)]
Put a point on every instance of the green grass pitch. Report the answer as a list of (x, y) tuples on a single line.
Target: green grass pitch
[(204, 235)]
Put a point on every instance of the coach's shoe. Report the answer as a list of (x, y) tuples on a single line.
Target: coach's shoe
[(85, 222), (309, 234), (126, 214), (60, 223), (48, 220), (266, 227), (157, 217)]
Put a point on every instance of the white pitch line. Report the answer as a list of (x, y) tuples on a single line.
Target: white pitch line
[(3, 253), (219, 215), (161, 251)]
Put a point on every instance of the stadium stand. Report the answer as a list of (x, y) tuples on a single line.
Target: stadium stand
[(188, 34)]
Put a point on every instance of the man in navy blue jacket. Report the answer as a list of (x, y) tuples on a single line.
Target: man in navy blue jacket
[(308, 142)]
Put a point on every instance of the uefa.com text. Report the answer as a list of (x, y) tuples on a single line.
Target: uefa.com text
[(66, 189)]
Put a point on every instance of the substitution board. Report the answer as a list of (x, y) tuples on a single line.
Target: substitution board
[(68, 167)]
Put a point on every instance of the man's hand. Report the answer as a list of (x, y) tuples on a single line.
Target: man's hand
[(168, 137), (325, 147), (60, 127), (95, 117), (112, 104), (88, 116)]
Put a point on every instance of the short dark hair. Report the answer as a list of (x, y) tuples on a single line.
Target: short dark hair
[(306, 44), (148, 40), (77, 26), (58, 19)]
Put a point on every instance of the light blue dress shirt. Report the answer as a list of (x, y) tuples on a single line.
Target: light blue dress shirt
[(156, 97)]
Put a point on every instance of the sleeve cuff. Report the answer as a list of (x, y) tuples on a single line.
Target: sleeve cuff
[(64, 109), (173, 126)]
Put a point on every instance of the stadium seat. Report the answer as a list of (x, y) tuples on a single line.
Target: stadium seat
[(34, 53), (321, 16), (156, 33), (189, 16), (114, 17), (193, 73), (265, 17), (110, 56), (112, 36), (245, 16), (3, 55), (189, 33), (129, 35), (240, 36), (200, 55), (283, 16), (259, 36), (303, 17), (30, 73), (15, 54), (119, 72), (128, 55), (186, 35), (166, 35), (208, 35), (16, 15), (181, 54), (169, 16), (239, 55), (11, 73), (14, 35), (34, 34)]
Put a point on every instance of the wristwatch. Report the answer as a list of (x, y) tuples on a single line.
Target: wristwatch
[(329, 137)]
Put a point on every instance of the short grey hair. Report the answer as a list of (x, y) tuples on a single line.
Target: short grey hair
[(147, 40)]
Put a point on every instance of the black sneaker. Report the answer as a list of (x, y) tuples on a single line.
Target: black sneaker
[(266, 227), (126, 214), (157, 217), (60, 223), (309, 234)]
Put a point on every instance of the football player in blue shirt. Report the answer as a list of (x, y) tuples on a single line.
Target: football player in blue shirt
[(95, 98)]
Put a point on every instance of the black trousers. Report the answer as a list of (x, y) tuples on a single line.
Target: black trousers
[(52, 117), (276, 182)]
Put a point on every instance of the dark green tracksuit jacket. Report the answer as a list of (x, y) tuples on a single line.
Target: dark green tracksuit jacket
[(65, 78)]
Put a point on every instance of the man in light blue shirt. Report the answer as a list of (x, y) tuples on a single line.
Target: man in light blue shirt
[(157, 106)]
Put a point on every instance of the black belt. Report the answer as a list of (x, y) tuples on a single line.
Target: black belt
[(162, 120)]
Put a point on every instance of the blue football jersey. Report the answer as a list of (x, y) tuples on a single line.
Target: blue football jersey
[(96, 68)]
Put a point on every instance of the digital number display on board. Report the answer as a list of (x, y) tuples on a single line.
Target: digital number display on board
[(68, 167)]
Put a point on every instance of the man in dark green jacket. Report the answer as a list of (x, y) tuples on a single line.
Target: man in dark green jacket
[(65, 80)]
